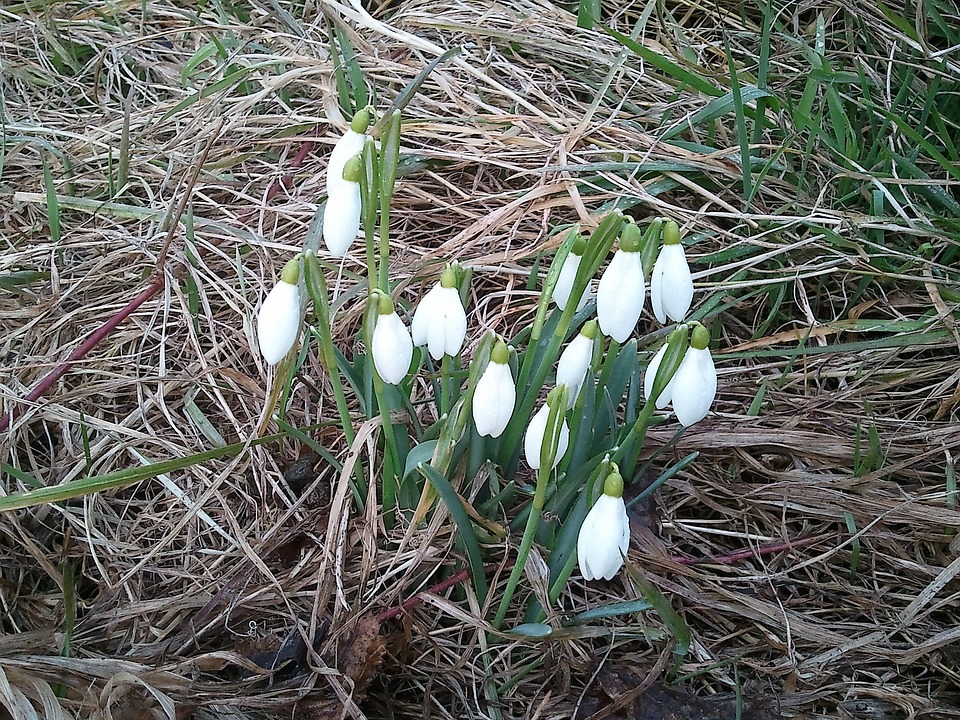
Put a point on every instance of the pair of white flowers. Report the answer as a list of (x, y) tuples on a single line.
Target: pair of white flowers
[(693, 387), (439, 323)]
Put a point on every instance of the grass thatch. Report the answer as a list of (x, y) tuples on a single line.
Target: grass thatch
[(830, 454)]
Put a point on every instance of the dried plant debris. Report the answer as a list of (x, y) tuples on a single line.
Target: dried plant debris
[(814, 540)]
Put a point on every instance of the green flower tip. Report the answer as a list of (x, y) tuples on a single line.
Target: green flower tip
[(554, 395), (449, 277), (579, 246), (384, 304), (630, 239), (700, 337), (671, 233), (613, 485), (291, 271), (353, 169), (590, 329), (361, 121), (500, 354)]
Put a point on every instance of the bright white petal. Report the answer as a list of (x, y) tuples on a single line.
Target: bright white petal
[(533, 440), (604, 539), (392, 348), (425, 315), (494, 400), (341, 219), (694, 387), (620, 296), (278, 322), (446, 332), (671, 286), (573, 365), (650, 377), (347, 147), (564, 286)]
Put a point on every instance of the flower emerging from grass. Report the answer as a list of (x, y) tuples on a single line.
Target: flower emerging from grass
[(671, 285), (440, 322), (605, 533), (496, 394), (392, 347), (621, 291), (278, 322)]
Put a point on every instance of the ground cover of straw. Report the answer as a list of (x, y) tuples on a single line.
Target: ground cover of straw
[(811, 546)]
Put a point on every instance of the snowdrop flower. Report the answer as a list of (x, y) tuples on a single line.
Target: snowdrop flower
[(278, 322), (575, 360), (349, 146), (440, 322), (605, 533), (621, 290), (392, 347), (568, 273), (341, 216), (671, 286), (495, 395), (695, 382), (537, 429)]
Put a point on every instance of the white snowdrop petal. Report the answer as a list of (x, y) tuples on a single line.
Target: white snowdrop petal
[(671, 284), (341, 219), (533, 440), (620, 296), (603, 539), (392, 348), (564, 286), (650, 377), (278, 322), (494, 399), (695, 386), (347, 147), (424, 316), (573, 365)]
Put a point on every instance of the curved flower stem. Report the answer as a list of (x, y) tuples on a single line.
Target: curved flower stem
[(446, 394)]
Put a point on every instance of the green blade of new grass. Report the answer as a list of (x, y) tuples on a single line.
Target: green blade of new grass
[(666, 66), (457, 511), (742, 138), (53, 204), (675, 624), (122, 478)]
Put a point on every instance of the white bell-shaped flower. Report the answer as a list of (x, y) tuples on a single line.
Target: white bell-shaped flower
[(392, 347), (278, 322), (621, 290), (341, 215), (575, 361), (695, 382), (651, 375), (605, 533), (568, 273), (537, 429), (671, 285), (440, 322), (495, 395), (348, 146)]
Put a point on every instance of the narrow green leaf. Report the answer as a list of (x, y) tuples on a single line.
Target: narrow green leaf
[(455, 506)]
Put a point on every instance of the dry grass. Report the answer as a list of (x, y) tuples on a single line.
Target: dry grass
[(181, 580)]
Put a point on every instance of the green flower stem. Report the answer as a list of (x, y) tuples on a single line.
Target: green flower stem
[(561, 582), (548, 452), (446, 382)]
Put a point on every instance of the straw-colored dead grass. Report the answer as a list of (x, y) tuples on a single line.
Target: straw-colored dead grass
[(188, 584)]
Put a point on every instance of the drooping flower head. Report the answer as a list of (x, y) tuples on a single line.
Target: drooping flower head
[(568, 274), (440, 321), (536, 431), (671, 285), (392, 348), (495, 395), (605, 533), (621, 290), (695, 383), (575, 361), (341, 216), (278, 322)]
